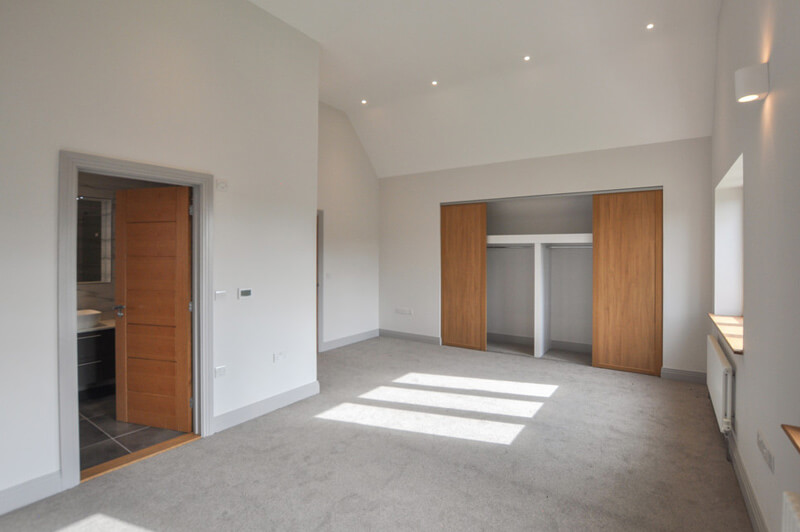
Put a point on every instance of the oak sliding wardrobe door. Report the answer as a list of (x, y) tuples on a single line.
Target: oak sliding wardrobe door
[(627, 285), (464, 275)]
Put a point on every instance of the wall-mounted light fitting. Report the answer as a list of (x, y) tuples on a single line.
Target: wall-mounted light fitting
[(752, 83)]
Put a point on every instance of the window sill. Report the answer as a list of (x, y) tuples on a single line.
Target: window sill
[(732, 330), (794, 435)]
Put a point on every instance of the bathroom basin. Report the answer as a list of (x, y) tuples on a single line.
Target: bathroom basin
[(88, 318)]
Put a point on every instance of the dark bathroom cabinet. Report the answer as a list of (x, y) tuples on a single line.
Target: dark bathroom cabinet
[(96, 362)]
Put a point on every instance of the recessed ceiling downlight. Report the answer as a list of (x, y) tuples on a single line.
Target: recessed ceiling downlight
[(363, 102), (650, 26), (526, 58), (434, 83)]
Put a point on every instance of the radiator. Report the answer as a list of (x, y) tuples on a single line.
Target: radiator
[(791, 512), (719, 379)]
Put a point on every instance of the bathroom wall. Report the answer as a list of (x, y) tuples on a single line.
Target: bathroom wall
[(100, 296)]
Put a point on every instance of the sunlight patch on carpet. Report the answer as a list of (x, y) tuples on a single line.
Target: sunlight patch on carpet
[(102, 523), (424, 423), (455, 401), (530, 389)]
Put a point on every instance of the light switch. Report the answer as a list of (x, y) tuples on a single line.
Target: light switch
[(245, 292)]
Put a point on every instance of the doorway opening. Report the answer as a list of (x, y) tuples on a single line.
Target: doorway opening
[(320, 276), (134, 319)]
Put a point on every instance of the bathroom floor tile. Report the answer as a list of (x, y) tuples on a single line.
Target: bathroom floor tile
[(89, 434), (147, 437), (115, 428), (99, 453)]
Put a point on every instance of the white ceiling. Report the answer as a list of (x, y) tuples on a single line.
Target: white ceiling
[(597, 78)]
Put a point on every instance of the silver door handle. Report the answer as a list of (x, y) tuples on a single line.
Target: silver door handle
[(119, 309)]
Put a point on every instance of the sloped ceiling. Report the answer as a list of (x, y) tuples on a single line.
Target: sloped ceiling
[(597, 77)]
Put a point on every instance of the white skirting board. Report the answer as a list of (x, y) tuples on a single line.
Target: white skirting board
[(246, 413), (750, 502), (698, 377), (30, 492), (409, 336), (509, 339), (347, 340)]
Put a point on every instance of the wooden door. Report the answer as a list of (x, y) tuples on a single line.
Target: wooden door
[(627, 284), (153, 283), (464, 275)]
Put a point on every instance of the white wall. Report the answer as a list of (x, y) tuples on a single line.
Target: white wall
[(509, 291), (221, 87), (728, 251), (767, 392), (348, 195), (571, 295), (409, 257)]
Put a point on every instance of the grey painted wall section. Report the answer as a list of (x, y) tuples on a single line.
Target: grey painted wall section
[(509, 291), (540, 215), (571, 295), (767, 393)]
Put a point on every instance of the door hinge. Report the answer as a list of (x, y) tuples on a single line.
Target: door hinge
[(191, 402), (191, 210), (191, 306)]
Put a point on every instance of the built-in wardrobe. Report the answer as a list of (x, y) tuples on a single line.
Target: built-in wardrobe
[(625, 244)]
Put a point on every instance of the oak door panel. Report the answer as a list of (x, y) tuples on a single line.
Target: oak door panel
[(627, 284), (463, 232), (153, 282), (151, 342), (151, 239)]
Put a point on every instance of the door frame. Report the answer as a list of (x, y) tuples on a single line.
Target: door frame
[(320, 277), (70, 164)]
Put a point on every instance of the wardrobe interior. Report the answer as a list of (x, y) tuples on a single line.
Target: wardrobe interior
[(541, 303)]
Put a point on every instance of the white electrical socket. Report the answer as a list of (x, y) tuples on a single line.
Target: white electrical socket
[(220, 371), (279, 356), (404, 310), (765, 452)]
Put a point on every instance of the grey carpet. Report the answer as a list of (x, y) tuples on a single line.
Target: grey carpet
[(585, 359), (496, 346), (606, 451)]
